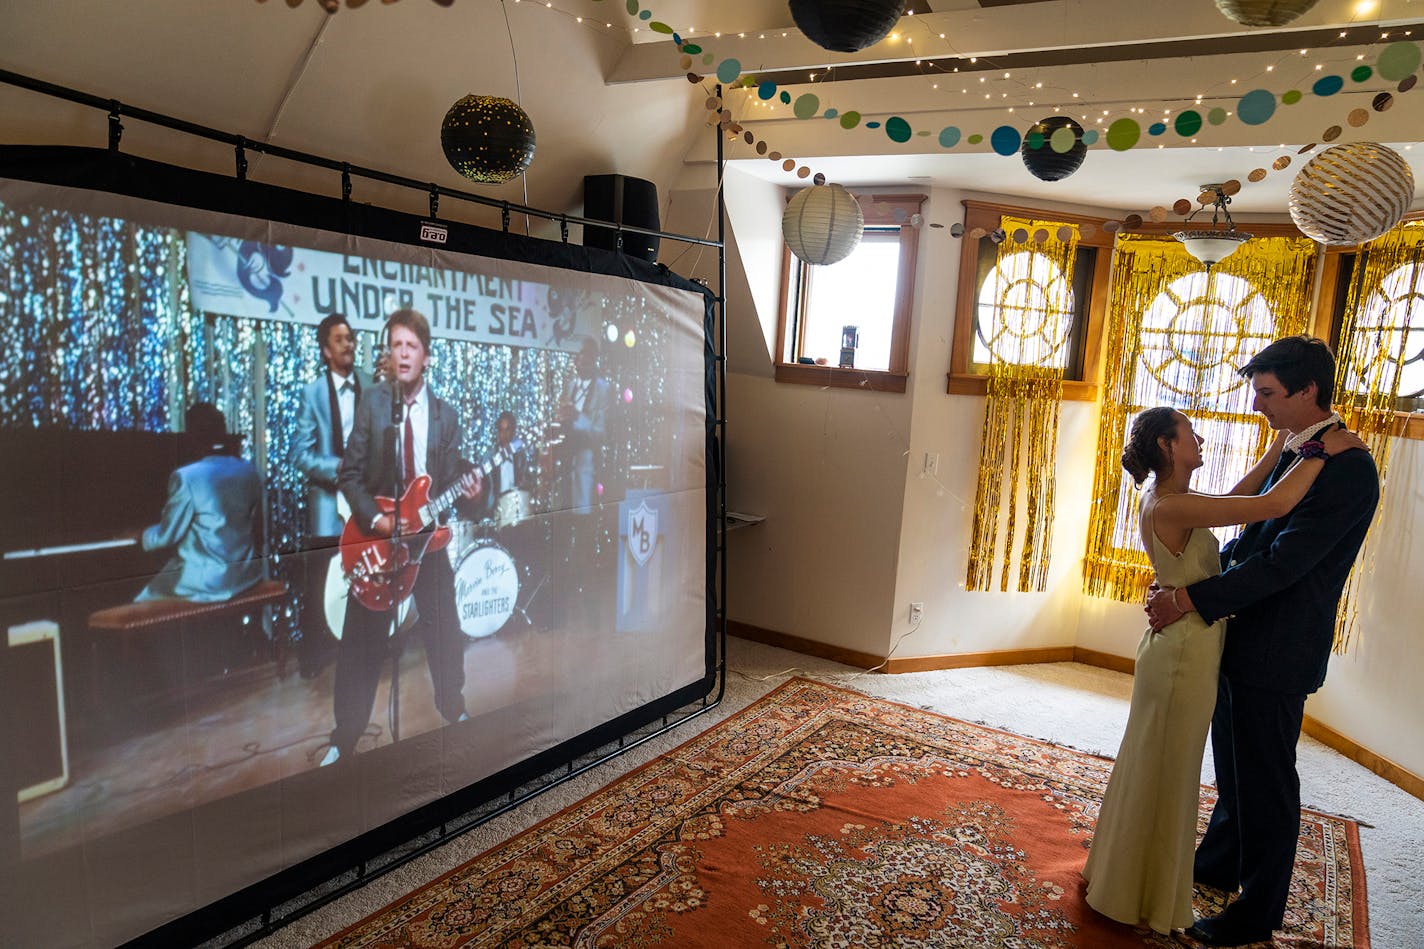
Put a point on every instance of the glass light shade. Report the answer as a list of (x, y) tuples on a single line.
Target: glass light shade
[(1211, 247)]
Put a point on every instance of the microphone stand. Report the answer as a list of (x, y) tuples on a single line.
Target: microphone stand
[(398, 411)]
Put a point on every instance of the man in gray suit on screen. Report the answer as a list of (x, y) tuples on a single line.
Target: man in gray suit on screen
[(324, 419)]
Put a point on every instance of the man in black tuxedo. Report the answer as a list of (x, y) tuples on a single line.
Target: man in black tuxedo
[(1280, 587), (425, 440)]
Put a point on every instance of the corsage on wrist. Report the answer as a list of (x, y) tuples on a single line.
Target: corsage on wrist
[(1312, 449)]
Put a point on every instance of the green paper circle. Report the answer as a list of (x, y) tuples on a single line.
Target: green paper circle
[(632, 7), (706, 57), (785, 97), (1361, 73), (850, 120), (657, 26), (1256, 107), (728, 69), (1216, 116), (1063, 139), (1187, 123), (897, 129), (806, 106), (1398, 60), (975, 139), (1291, 97), (1033, 141), (1123, 134)]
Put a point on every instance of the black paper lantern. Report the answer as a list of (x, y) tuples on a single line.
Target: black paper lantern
[(1060, 150), (487, 138), (846, 25)]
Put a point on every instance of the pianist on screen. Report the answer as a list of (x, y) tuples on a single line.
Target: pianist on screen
[(211, 519)]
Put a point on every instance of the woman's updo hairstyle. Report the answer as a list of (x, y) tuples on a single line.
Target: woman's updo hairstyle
[(1143, 455)]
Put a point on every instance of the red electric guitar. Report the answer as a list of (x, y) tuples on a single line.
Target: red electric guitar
[(381, 574)]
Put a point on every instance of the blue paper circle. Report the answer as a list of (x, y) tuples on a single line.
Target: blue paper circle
[(872, 125), (728, 70), (766, 90), (1256, 107), (1327, 85), (1005, 140), (1156, 128), (1090, 137), (949, 136), (832, 113)]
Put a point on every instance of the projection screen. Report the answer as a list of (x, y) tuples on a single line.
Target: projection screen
[(183, 649)]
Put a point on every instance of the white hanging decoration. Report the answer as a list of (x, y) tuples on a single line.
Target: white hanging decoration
[(822, 224), (1350, 194)]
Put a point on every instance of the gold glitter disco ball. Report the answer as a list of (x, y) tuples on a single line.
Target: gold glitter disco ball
[(1350, 194), (487, 138)]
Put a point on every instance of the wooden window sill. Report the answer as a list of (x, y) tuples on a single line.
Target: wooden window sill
[(873, 380), (963, 383)]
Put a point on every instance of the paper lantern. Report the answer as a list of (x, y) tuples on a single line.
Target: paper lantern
[(1061, 151), (1349, 194), (487, 138), (822, 224), (846, 25), (1263, 12)]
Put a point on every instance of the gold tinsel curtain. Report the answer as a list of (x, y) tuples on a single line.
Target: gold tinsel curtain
[(1024, 315), (1177, 335), (1382, 305)]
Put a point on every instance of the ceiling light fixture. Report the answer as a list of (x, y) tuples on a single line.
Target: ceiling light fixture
[(1215, 245)]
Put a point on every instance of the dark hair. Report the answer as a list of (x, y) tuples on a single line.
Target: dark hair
[(204, 422), (1297, 361), (1143, 455), (329, 323), (414, 321), (506, 415)]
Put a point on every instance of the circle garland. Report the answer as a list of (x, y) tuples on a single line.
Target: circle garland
[(1397, 61)]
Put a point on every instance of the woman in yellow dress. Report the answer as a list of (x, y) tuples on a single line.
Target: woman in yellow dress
[(1139, 870)]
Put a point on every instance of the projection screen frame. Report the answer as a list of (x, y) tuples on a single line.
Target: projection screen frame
[(250, 913)]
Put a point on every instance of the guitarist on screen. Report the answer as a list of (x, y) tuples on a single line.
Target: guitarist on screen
[(418, 438)]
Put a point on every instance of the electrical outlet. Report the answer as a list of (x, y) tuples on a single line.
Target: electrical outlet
[(931, 463), (917, 613)]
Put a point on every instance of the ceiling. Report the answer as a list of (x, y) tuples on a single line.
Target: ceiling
[(608, 94)]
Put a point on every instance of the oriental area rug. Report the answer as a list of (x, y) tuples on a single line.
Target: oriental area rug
[(819, 816)]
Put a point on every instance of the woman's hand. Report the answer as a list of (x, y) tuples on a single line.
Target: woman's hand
[(1339, 439)]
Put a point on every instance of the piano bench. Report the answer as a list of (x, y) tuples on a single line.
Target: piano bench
[(153, 614)]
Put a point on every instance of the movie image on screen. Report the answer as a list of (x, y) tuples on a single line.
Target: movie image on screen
[(305, 531)]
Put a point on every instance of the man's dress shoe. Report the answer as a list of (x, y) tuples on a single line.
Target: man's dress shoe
[(1217, 931)]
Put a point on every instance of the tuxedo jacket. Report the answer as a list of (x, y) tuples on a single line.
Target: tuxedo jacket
[(368, 468), (494, 483), (1281, 579), (211, 516), (315, 455), (583, 440)]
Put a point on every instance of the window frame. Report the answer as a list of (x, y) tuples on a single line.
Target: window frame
[(879, 211)]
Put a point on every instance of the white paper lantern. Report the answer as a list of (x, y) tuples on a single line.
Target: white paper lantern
[(1263, 12), (1350, 194), (822, 224)]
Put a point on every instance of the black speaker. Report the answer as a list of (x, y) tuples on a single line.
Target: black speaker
[(622, 200)]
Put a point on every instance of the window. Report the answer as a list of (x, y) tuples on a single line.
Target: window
[(1389, 328), (1021, 290), (848, 324), (1003, 301)]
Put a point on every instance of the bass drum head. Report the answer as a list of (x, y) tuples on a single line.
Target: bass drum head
[(486, 588)]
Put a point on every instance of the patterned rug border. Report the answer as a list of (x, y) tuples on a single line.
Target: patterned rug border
[(1359, 901)]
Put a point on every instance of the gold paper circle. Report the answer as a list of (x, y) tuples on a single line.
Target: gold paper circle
[(1065, 234), (1230, 187), (788, 165), (1282, 163), (1382, 102), (1040, 235), (761, 148), (1357, 117), (1158, 214), (1330, 134), (1256, 174), (976, 234), (1306, 148), (1132, 221), (1181, 206), (1020, 235), (1407, 83), (802, 172), (1111, 227)]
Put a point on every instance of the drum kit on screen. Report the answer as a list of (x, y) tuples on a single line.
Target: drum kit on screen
[(487, 575)]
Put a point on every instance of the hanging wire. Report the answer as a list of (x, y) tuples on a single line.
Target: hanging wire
[(518, 100)]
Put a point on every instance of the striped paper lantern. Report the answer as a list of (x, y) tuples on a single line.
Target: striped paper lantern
[(1350, 194), (822, 224), (1263, 12)]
